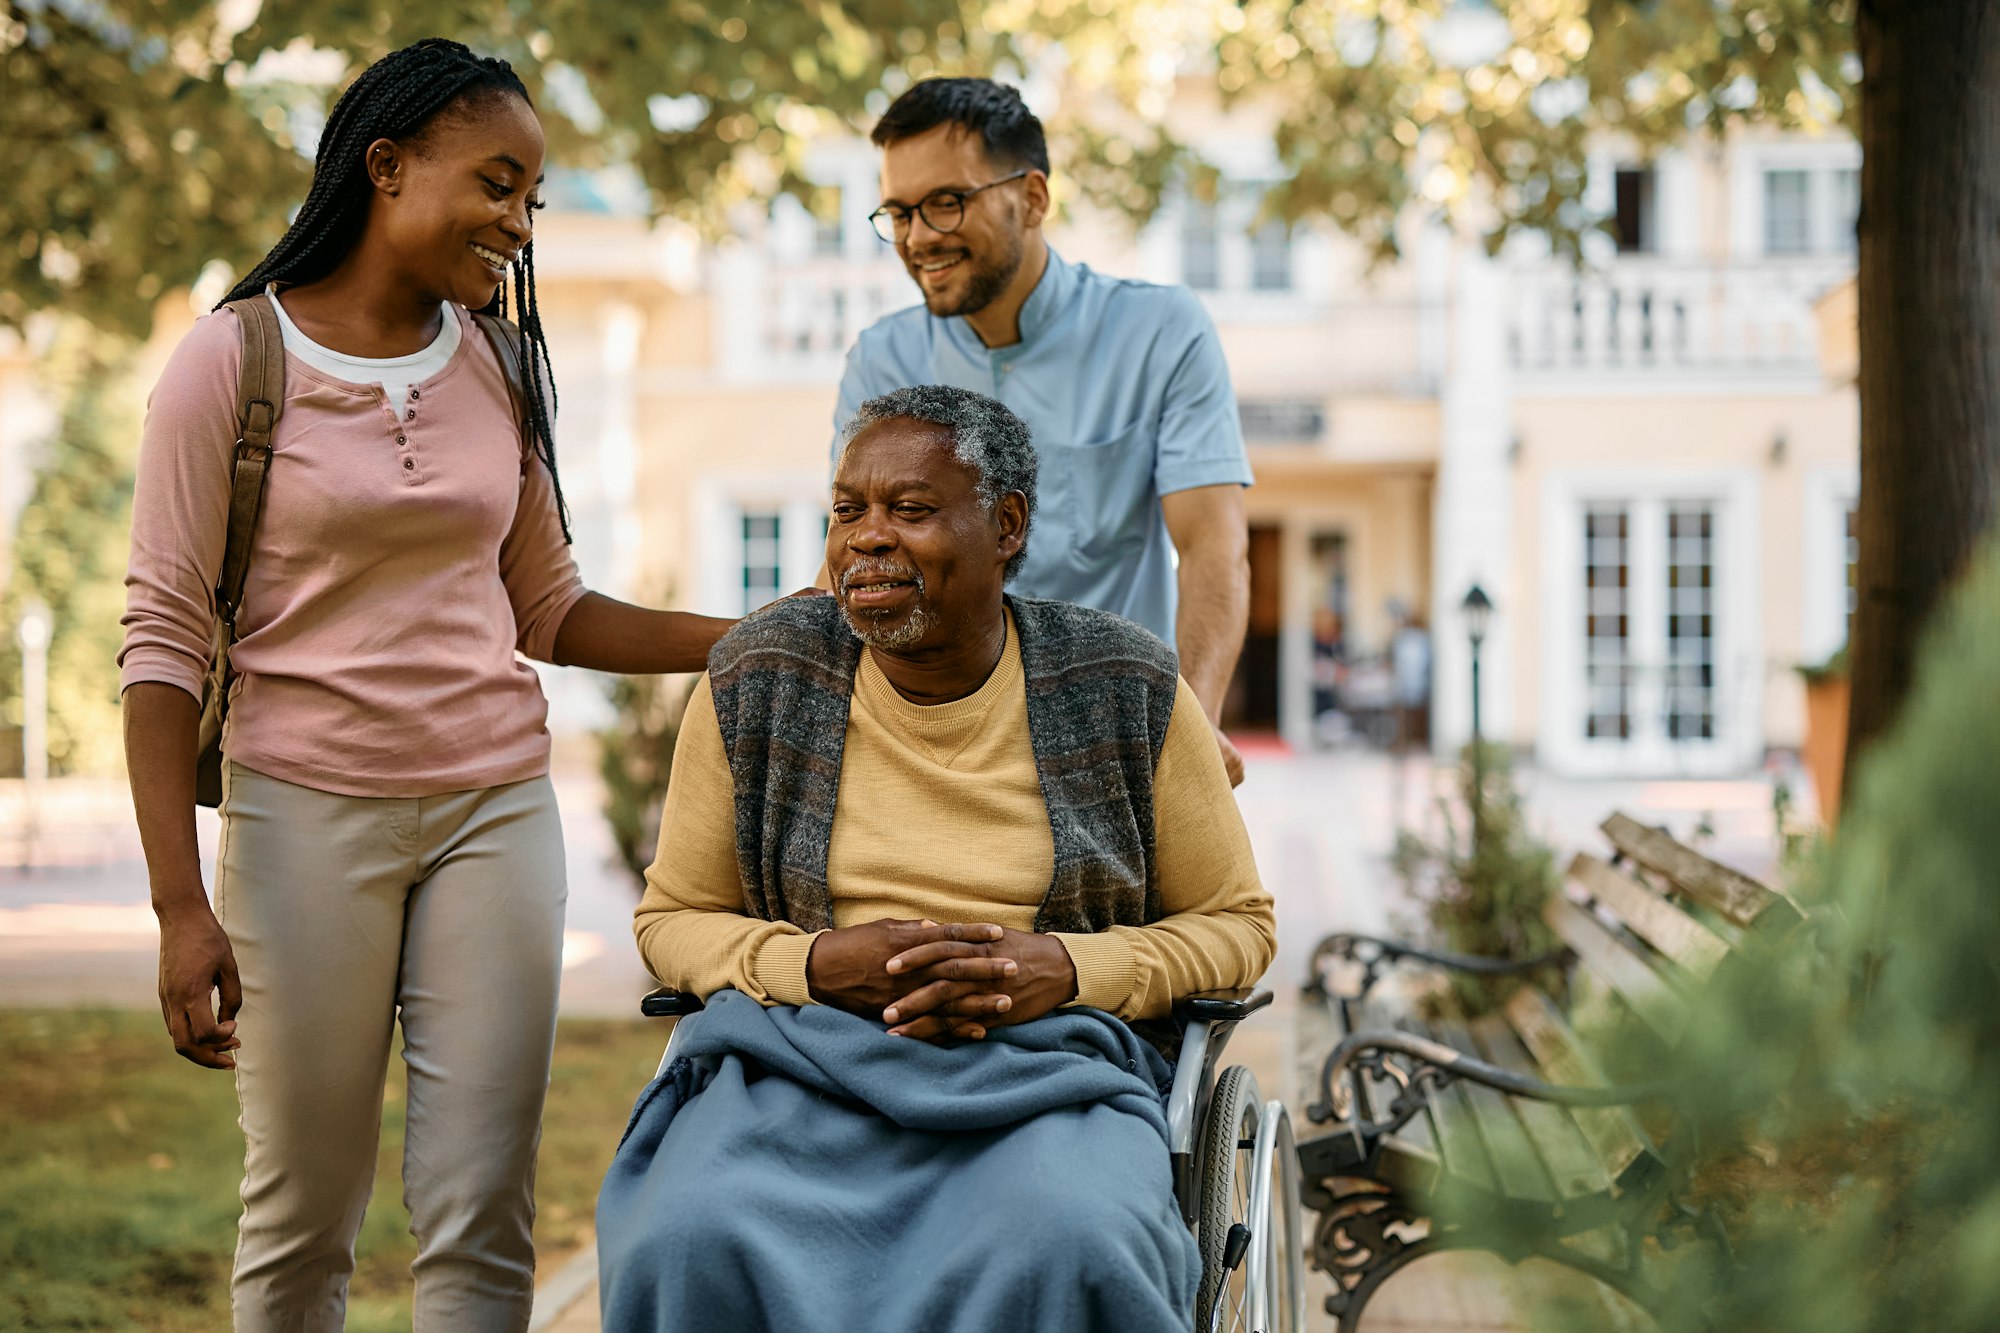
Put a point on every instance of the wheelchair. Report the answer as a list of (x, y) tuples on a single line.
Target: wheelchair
[(1235, 1167)]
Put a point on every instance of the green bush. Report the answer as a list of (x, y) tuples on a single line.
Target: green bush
[(1848, 1096), (1483, 886), (635, 755)]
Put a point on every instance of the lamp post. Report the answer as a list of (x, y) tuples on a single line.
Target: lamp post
[(1478, 611)]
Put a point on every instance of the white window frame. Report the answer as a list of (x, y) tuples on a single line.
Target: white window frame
[(1739, 648), (1810, 182), (1676, 212), (1283, 235), (1819, 158), (1829, 492), (1217, 275), (717, 508)]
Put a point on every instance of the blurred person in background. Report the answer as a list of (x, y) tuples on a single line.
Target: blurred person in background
[(1123, 382), (1410, 666), (390, 840)]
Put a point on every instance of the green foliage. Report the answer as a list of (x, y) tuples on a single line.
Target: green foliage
[(1847, 1092), (120, 1165), (131, 158), (1484, 884), (635, 755), (141, 141), (69, 553), (1484, 114)]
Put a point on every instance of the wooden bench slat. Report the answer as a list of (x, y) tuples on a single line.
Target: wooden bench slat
[(1458, 1128), (1691, 946), (1734, 894), (1663, 1010), (1517, 1166), (1614, 1132), (1572, 1164)]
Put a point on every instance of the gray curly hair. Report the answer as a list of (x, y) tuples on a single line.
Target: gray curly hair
[(985, 436)]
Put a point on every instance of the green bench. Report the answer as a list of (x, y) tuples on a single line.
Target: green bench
[(1509, 1116)]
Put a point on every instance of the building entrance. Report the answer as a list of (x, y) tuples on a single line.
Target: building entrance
[(1252, 702)]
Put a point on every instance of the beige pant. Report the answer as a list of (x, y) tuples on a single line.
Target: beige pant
[(346, 914)]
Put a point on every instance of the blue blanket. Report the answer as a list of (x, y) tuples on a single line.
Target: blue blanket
[(802, 1170)]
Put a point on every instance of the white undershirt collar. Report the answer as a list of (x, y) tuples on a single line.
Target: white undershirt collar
[(394, 373)]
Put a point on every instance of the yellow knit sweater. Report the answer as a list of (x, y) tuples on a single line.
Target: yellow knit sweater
[(940, 817)]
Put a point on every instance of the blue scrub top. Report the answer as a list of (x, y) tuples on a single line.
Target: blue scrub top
[(1125, 389)]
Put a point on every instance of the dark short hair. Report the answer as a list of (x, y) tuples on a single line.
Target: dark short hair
[(1010, 132), (985, 437)]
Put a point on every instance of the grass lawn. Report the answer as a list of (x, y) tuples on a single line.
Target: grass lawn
[(119, 1165)]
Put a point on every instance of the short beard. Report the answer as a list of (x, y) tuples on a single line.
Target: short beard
[(883, 638), (986, 284)]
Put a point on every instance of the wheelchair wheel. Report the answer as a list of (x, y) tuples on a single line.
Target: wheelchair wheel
[(1277, 1250), (1227, 1225)]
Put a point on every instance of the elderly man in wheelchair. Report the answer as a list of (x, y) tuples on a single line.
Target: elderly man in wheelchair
[(941, 875)]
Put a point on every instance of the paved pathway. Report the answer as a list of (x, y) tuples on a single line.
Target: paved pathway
[(76, 930)]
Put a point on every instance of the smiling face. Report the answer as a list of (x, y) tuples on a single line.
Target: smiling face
[(456, 201), (962, 271), (916, 556)]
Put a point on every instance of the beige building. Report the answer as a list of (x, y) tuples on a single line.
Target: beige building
[(1645, 463)]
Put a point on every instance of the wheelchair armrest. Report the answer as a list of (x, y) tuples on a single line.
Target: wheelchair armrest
[(666, 1002), (1221, 1006)]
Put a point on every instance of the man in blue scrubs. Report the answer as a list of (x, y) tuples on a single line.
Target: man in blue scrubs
[(1122, 382)]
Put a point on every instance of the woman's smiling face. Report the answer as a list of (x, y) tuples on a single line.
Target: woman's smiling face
[(458, 199)]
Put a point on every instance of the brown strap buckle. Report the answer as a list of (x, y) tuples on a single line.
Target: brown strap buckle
[(251, 426)]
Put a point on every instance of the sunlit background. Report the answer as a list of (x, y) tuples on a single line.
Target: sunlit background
[(1564, 315)]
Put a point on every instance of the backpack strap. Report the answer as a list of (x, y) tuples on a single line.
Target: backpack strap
[(260, 400), (506, 340)]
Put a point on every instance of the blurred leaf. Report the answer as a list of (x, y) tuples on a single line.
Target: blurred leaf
[(1482, 114), (1847, 1093)]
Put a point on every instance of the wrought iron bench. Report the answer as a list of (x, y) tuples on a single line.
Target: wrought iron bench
[(1510, 1115)]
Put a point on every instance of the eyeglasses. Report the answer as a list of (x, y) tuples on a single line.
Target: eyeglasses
[(942, 211)]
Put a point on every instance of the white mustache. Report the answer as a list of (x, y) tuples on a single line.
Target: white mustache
[(882, 568)]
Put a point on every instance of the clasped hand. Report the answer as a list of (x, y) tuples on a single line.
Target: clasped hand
[(932, 982)]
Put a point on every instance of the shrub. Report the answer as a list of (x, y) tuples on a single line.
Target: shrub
[(1848, 1096), (635, 755), (1483, 886)]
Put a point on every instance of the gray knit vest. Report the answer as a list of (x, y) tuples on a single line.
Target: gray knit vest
[(1100, 693)]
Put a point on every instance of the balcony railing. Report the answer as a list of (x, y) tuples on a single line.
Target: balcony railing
[(1645, 316)]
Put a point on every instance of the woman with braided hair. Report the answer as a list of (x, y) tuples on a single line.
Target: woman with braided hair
[(391, 849)]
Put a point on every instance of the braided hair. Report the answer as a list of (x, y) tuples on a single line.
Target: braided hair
[(397, 97)]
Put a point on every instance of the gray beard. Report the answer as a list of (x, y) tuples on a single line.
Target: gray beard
[(986, 286), (890, 638)]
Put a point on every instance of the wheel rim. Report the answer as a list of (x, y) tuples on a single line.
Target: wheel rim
[(1287, 1251)]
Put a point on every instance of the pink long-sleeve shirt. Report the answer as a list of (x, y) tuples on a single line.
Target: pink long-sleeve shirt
[(398, 566)]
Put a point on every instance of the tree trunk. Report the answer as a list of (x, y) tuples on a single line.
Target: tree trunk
[(1930, 328)]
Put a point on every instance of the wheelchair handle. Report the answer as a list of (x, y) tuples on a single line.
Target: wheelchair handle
[(667, 1002)]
